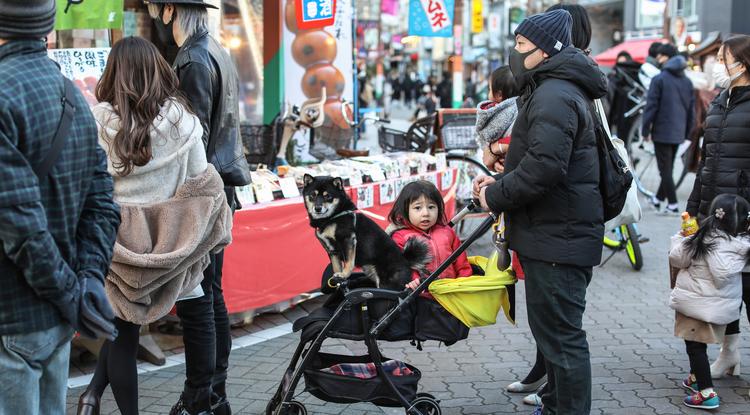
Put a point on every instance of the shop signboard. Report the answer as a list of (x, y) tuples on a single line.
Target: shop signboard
[(477, 16), (83, 66), (315, 14), (515, 17), (89, 14), (431, 18)]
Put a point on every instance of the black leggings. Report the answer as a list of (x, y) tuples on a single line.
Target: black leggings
[(117, 367), (699, 365), (734, 327), (538, 370), (665, 156)]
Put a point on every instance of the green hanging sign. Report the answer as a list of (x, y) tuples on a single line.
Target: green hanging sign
[(89, 14)]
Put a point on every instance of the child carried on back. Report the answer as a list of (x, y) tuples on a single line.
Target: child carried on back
[(708, 289), (419, 212)]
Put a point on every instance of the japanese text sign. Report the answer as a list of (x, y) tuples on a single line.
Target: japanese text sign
[(433, 18), (315, 14), (83, 66)]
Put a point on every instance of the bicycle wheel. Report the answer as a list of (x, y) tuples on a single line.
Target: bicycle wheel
[(632, 246), (467, 168)]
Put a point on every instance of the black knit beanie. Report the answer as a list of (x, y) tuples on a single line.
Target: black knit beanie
[(549, 31), (26, 19)]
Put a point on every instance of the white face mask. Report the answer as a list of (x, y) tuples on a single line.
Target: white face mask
[(721, 75)]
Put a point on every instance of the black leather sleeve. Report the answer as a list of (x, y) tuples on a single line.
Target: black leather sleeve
[(197, 83)]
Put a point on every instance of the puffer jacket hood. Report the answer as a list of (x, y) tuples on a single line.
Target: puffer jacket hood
[(676, 65), (573, 65)]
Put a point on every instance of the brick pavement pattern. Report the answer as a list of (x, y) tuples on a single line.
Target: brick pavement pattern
[(637, 363)]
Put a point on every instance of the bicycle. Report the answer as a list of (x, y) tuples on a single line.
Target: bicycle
[(626, 241)]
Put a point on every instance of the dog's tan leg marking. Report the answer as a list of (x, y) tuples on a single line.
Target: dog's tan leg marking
[(349, 261)]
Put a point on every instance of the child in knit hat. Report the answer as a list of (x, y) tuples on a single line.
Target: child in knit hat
[(495, 118)]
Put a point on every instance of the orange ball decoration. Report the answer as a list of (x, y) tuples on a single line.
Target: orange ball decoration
[(313, 47), (323, 75), (290, 16), (332, 109)]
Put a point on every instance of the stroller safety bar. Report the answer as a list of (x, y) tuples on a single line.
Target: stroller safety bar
[(378, 327)]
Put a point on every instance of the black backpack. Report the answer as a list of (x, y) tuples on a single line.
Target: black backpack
[(615, 176)]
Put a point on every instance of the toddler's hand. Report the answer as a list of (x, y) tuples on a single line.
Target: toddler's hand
[(413, 285)]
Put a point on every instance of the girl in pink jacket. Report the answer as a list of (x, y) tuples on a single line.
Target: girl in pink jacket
[(419, 212)]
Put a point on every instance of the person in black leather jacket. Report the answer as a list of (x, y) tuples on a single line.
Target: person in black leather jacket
[(210, 83)]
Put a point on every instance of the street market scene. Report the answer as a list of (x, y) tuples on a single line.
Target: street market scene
[(291, 207)]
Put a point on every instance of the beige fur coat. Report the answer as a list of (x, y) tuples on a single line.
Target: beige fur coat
[(162, 248)]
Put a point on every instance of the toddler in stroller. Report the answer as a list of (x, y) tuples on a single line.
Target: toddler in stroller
[(369, 314)]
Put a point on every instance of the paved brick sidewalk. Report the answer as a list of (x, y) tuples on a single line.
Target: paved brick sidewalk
[(637, 363)]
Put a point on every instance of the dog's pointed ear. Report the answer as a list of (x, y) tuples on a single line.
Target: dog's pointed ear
[(308, 179), (339, 183)]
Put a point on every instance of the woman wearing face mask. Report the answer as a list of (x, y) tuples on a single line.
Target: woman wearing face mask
[(725, 163)]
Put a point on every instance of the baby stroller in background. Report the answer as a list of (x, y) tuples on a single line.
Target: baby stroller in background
[(369, 314)]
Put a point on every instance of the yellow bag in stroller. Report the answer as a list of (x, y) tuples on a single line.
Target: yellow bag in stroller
[(476, 300)]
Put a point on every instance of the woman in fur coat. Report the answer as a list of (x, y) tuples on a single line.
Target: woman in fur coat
[(174, 210)]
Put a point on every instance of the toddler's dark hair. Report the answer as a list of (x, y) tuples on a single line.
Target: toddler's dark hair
[(728, 214), (400, 212), (502, 81)]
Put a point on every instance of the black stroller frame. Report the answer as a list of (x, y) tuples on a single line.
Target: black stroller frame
[(384, 389)]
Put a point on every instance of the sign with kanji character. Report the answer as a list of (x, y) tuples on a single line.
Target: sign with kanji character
[(315, 14), (83, 66), (477, 16), (432, 18)]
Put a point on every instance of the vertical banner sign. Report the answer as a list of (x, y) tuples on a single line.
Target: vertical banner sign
[(431, 18), (315, 14), (477, 16), (89, 14)]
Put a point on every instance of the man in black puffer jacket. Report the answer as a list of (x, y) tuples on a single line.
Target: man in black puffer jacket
[(550, 195)]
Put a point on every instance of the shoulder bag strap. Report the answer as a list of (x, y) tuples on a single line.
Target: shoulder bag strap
[(63, 128)]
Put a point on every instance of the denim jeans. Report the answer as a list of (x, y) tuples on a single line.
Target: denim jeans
[(556, 300), (34, 369)]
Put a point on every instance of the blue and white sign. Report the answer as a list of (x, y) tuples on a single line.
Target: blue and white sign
[(431, 18), (313, 10)]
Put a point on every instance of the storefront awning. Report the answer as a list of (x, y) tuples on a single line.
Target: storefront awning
[(638, 49)]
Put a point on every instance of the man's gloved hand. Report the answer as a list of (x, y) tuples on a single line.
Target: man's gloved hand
[(95, 315)]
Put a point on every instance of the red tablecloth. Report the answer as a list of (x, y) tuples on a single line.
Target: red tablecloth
[(274, 255)]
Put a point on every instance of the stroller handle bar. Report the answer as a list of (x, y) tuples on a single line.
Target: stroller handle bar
[(476, 234)]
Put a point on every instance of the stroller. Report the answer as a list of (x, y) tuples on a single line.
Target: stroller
[(368, 315)]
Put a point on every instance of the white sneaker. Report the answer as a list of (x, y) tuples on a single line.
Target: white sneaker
[(533, 399)]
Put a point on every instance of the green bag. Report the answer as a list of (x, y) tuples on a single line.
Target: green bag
[(89, 14)]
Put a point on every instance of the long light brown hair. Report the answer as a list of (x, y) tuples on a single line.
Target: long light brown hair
[(137, 82)]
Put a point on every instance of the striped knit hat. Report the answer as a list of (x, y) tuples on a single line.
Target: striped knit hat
[(26, 19), (549, 31)]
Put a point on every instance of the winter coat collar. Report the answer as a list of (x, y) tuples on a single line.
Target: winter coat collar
[(738, 94), (574, 66), (18, 47), (495, 120)]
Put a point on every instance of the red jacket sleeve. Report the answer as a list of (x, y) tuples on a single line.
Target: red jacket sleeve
[(461, 266), (400, 238)]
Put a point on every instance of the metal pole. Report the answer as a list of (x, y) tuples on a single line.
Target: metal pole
[(355, 85)]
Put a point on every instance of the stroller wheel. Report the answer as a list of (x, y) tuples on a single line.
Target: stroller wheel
[(426, 404), (292, 408)]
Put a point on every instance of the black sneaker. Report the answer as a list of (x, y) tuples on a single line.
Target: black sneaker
[(655, 204), (671, 211), (180, 409)]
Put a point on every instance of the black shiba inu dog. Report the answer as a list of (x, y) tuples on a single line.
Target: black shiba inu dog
[(352, 239)]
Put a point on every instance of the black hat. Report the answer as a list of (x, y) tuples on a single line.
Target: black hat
[(201, 3), (550, 31), (26, 19)]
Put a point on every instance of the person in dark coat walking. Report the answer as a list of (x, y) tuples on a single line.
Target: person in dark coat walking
[(725, 163), (667, 120), (57, 231), (210, 82), (445, 91), (550, 195)]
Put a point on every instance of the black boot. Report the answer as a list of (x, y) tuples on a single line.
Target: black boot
[(193, 402), (88, 403)]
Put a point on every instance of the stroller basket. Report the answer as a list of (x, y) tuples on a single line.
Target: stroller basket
[(459, 133), (337, 388)]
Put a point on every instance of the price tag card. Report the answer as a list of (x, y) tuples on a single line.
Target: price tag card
[(289, 187), (377, 174), (263, 192), (245, 195), (365, 197), (387, 192), (355, 179)]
